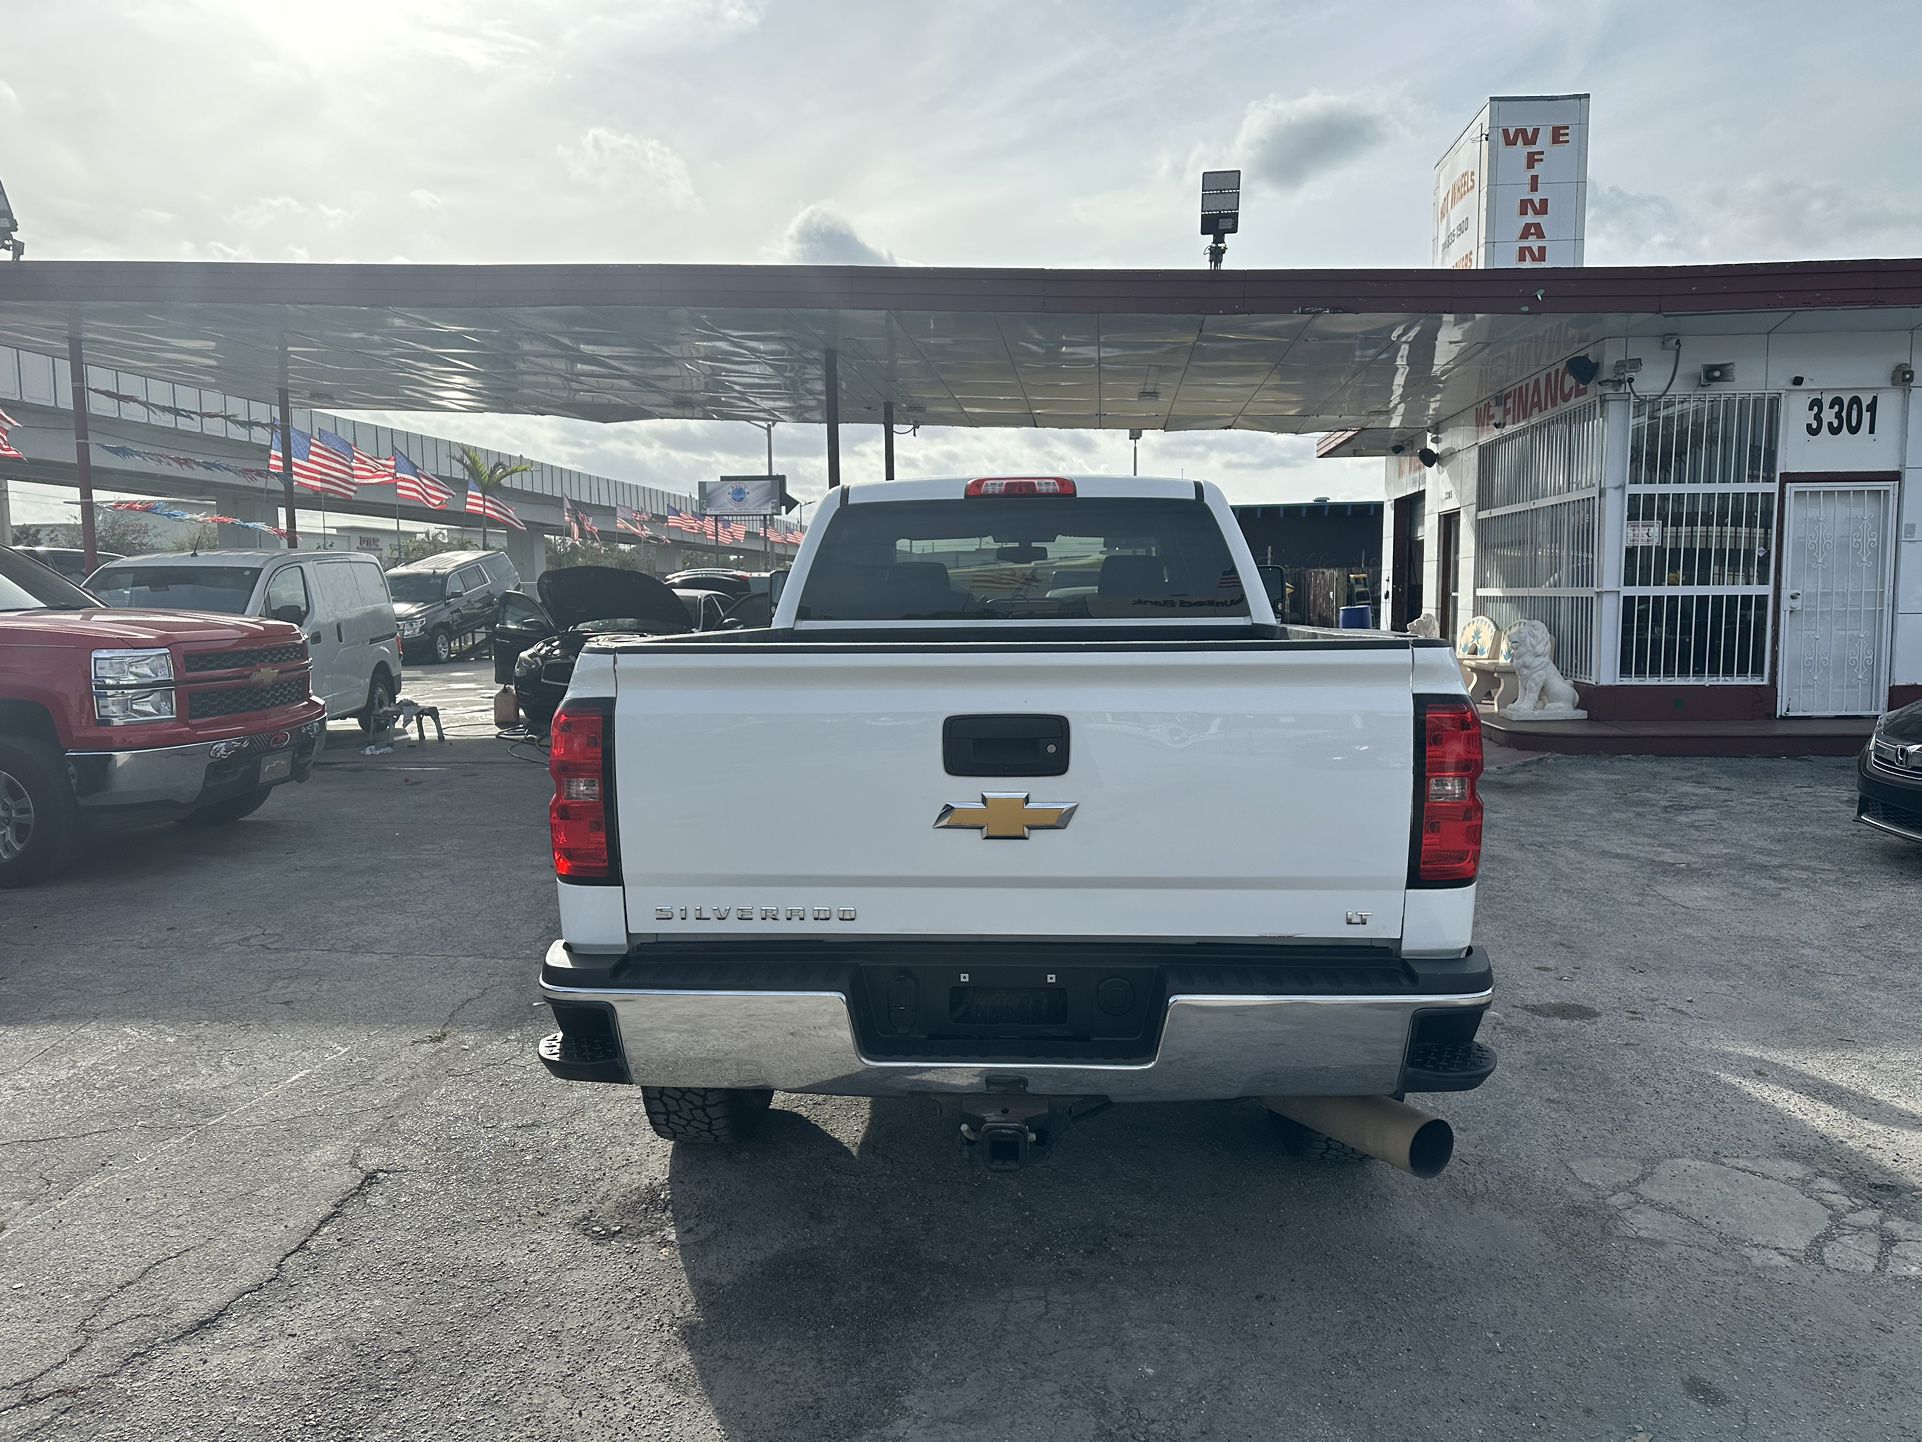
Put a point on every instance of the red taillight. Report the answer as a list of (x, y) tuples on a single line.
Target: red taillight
[(1021, 486), (579, 814), (1449, 843)]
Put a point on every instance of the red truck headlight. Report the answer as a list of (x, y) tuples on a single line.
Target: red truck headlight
[(1447, 849), (580, 758)]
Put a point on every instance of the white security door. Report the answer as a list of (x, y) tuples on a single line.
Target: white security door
[(1835, 600)]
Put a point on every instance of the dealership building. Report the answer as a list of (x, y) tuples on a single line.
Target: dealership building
[(1708, 487), (1719, 524)]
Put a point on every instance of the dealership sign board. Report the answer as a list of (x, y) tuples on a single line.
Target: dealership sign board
[(1512, 191), (744, 496)]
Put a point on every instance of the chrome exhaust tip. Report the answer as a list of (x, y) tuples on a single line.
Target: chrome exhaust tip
[(1388, 1130)]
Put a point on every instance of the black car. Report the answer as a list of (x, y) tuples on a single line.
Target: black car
[(537, 643), (1888, 775), (447, 596)]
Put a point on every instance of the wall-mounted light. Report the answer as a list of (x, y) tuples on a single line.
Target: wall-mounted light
[(1427, 457), (1902, 375), (1397, 448), (1719, 373), (1582, 369)]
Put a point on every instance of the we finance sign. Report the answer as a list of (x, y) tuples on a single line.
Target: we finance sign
[(1512, 191), (1528, 400)]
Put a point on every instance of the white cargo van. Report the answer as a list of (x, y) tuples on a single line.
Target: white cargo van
[(339, 602)]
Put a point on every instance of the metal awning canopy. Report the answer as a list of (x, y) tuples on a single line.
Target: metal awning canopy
[(1378, 352)]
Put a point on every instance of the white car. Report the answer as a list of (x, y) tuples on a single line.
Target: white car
[(340, 603), (1038, 845)]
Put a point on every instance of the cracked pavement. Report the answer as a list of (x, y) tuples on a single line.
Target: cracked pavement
[(276, 1161)]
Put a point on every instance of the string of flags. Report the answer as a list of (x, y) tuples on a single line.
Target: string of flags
[(328, 464), (179, 413), (186, 463), (165, 512)]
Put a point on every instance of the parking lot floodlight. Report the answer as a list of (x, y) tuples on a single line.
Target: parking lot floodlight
[(1220, 211), (10, 228)]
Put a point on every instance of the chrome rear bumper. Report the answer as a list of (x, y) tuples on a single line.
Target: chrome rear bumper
[(1210, 1047)]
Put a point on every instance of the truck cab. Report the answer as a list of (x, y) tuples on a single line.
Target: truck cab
[(130, 716)]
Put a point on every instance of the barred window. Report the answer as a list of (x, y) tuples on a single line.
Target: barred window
[(1698, 558), (1535, 537)]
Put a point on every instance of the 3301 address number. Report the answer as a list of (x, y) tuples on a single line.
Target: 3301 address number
[(1841, 415)]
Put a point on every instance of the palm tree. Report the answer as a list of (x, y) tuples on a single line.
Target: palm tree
[(488, 477)]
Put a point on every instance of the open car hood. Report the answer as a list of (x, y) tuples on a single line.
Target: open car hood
[(575, 594)]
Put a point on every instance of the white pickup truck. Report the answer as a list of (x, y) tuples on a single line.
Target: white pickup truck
[(1018, 803)]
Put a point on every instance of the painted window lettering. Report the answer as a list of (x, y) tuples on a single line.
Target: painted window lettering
[(1841, 415)]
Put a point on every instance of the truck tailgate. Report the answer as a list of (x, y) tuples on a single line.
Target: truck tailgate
[(1234, 790)]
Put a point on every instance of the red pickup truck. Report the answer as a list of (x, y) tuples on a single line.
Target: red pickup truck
[(135, 716)]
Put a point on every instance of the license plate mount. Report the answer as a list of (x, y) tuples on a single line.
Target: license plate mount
[(277, 767)]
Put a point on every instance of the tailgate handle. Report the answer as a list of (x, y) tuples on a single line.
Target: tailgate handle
[(1005, 745)]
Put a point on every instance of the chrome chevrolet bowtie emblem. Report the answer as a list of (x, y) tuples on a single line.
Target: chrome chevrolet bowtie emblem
[(1005, 816), (265, 676)]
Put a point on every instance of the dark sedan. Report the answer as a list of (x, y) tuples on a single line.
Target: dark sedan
[(1888, 782), (536, 642)]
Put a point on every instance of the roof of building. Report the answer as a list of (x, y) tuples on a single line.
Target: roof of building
[(1286, 351)]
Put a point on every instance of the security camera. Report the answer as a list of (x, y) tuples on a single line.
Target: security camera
[(1397, 449), (1427, 457), (1498, 424)]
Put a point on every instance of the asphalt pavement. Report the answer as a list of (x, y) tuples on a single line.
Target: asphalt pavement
[(279, 1163)]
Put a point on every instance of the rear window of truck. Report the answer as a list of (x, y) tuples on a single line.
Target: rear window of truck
[(1023, 559)]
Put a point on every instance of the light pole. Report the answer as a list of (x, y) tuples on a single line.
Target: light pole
[(10, 229), (1220, 211)]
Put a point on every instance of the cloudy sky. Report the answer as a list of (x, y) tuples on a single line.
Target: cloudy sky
[(952, 134)]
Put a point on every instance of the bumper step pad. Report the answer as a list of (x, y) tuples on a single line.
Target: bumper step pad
[(1447, 1066), (573, 1058)]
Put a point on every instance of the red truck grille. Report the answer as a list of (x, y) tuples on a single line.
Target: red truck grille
[(291, 654), (210, 701)]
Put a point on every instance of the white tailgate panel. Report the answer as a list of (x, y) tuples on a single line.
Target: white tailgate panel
[(1219, 793)]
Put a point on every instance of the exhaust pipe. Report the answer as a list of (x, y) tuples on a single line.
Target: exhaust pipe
[(1384, 1128)]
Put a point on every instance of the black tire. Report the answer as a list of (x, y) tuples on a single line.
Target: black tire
[(221, 813), (712, 1115), (380, 694), (1300, 1141), (39, 818), (443, 646)]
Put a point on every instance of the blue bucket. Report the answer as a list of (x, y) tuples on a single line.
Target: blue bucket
[(1357, 618)]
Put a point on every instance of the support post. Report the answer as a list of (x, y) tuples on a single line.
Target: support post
[(82, 451), (1611, 532), (887, 440), (287, 467), (831, 379)]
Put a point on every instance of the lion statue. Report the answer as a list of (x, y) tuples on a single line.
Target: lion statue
[(1543, 693), (1425, 625)]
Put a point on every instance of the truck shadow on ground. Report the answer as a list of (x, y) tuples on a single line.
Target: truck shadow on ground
[(1169, 1272)]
